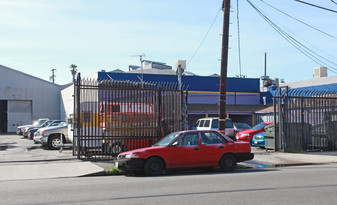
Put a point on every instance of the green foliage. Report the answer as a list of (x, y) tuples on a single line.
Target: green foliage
[(113, 171)]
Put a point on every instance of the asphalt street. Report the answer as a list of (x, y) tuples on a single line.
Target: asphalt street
[(286, 185)]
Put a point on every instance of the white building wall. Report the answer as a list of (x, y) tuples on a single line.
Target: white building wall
[(44, 95), (67, 101)]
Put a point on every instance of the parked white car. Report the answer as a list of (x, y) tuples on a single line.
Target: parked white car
[(212, 123)]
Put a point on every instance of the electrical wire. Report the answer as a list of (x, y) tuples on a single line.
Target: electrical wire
[(299, 20), (302, 48), (238, 25), (333, 1), (203, 40), (299, 46), (308, 26), (317, 6)]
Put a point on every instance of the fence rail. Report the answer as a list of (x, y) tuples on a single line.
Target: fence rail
[(114, 116), (305, 120)]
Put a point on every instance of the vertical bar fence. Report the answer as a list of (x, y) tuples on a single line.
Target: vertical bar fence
[(305, 120), (114, 116)]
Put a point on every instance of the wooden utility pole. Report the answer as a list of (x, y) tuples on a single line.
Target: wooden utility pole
[(224, 63)]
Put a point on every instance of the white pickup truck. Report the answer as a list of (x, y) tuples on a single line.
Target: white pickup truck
[(212, 123)]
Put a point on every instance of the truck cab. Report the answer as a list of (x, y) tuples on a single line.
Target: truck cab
[(212, 123)]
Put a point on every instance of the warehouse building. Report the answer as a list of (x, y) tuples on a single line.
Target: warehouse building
[(25, 98)]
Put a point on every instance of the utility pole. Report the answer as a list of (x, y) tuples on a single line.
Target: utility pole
[(52, 77), (224, 63)]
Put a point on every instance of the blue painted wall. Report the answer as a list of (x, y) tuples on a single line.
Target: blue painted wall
[(196, 83)]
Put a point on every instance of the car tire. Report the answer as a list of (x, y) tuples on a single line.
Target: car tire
[(227, 163), (153, 166), (116, 148), (53, 141)]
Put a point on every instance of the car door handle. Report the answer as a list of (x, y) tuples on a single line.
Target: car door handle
[(221, 147), (196, 148)]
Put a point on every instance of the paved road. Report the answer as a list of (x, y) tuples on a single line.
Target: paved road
[(290, 185)]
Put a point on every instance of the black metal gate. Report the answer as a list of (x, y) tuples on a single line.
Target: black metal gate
[(115, 116), (305, 120)]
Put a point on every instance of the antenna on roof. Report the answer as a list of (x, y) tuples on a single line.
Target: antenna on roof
[(141, 64)]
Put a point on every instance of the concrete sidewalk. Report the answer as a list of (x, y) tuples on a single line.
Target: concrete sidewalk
[(288, 159), (38, 170), (44, 170)]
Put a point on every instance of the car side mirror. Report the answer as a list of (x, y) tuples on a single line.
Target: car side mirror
[(175, 144)]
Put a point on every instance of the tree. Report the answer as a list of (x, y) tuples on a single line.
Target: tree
[(73, 71)]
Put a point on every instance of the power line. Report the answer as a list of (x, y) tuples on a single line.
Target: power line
[(316, 6), (203, 40), (308, 26), (299, 20), (333, 2), (299, 46)]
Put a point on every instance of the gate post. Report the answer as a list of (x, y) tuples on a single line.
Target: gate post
[(160, 131), (78, 117), (276, 128), (280, 127)]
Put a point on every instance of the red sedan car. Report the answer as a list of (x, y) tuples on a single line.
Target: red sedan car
[(247, 135), (185, 149)]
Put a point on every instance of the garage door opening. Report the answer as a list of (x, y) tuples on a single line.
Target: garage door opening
[(3, 116)]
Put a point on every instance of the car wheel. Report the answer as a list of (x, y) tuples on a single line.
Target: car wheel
[(53, 142), (116, 148), (227, 163), (153, 166)]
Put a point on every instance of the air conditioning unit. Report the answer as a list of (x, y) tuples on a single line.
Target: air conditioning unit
[(320, 72)]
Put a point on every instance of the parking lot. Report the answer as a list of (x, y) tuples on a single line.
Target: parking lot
[(15, 148)]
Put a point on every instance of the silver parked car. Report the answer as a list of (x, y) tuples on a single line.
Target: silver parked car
[(51, 136), (48, 123), (39, 122)]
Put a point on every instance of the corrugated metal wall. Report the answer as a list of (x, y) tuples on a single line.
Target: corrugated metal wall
[(23, 91)]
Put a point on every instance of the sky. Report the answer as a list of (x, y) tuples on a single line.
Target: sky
[(37, 36)]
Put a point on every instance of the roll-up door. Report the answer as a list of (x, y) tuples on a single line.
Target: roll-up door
[(19, 113)]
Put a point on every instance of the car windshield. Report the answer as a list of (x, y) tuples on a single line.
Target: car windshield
[(259, 126), (54, 124), (46, 124), (168, 139), (62, 124), (242, 126), (40, 122)]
